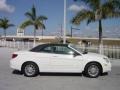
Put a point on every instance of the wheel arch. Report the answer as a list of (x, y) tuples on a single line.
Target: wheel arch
[(96, 63), (26, 63)]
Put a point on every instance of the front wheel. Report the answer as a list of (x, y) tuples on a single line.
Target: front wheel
[(30, 69), (92, 70)]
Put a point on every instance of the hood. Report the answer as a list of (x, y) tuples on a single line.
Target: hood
[(93, 56)]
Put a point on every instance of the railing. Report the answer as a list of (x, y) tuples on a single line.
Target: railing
[(110, 51), (20, 45)]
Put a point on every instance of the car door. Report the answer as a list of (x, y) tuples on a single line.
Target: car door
[(63, 60), (42, 57)]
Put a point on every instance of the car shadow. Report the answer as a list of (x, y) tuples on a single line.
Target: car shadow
[(104, 74), (56, 74), (50, 74), (17, 72), (60, 74)]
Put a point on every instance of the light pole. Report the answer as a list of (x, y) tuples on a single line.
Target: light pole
[(64, 25)]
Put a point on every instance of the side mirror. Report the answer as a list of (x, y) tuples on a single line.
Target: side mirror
[(85, 52), (75, 54)]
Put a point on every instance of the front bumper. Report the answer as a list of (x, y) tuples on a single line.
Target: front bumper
[(106, 67)]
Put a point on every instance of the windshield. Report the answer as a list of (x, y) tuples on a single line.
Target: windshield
[(77, 47)]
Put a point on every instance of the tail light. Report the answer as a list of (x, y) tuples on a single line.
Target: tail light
[(14, 55)]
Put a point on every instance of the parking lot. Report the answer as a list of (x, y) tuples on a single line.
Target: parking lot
[(13, 80)]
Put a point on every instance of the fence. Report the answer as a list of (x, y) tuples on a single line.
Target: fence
[(110, 51), (20, 45)]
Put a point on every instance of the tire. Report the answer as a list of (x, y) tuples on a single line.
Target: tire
[(30, 69), (92, 70)]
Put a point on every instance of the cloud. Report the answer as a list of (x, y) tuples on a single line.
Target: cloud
[(4, 7), (76, 8)]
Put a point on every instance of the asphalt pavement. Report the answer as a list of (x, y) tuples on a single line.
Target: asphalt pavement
[(13, 80)]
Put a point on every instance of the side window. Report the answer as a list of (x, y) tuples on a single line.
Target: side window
[(36, 49), (62, 50), (57, 50), (47, 49)]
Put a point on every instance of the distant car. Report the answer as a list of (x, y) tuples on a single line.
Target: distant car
[(59, 58)]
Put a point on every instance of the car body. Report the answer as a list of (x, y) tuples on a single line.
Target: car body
[(59, 58)]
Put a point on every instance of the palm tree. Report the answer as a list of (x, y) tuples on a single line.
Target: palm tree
[(4, 23), (98, 11), (34, 20)]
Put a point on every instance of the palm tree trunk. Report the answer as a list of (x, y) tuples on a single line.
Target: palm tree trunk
[(34, 43), (5, 37), (100, 38), (5, 34)]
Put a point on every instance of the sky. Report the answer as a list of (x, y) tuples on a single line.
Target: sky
[(14, 10)]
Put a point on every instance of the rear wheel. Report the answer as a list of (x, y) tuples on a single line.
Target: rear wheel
[(92, 70), (30, 69)]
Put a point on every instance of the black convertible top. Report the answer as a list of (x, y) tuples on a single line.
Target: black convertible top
[(40, 47)]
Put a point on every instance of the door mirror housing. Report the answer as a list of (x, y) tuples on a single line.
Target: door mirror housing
[(75, 54)]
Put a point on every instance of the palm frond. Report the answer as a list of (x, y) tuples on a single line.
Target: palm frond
[(111, 9), (42, 18), (39, 24), (34, 12), (26, 23), (11, 25), (91, 19), (34, 20), (115, 3), (83, 15), (4, 23), (93, 4), (113, 15), (29, 15), (4, 20)]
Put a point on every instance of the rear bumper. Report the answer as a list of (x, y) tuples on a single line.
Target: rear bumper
[(14, 65)]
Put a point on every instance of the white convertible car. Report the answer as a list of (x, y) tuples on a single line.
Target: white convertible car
[(59, 58)]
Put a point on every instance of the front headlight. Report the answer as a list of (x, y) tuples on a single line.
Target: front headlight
[(106, 59)]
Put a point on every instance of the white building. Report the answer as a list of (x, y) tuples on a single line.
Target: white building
[(20, 32)]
